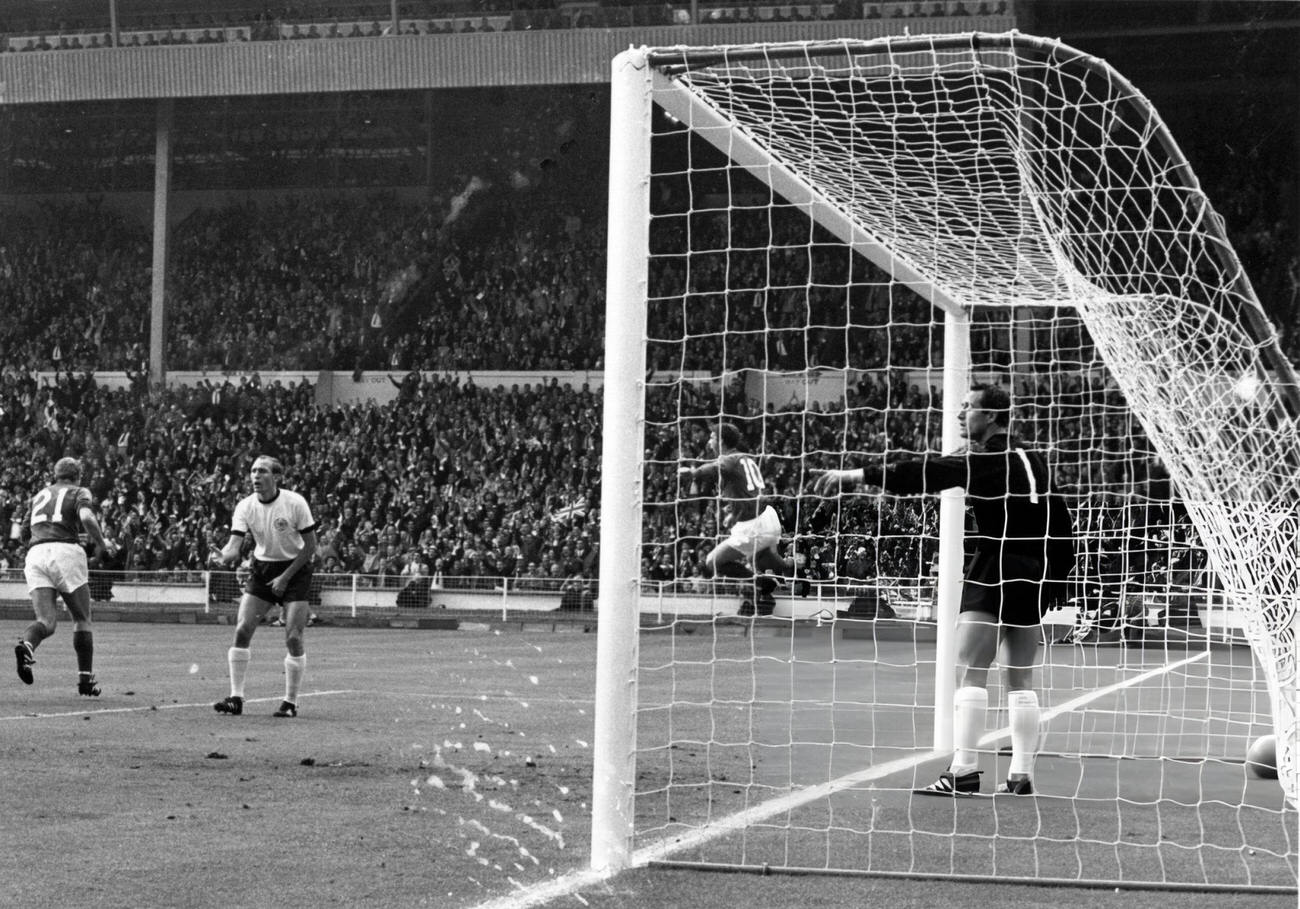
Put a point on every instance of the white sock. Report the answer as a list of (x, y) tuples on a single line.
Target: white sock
[(970, 704), (1022, 710), (238, 658), (294, 666)]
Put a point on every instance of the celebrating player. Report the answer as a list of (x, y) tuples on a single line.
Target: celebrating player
[(755, 531), (284, 537), (1021, 525), (56, 562)]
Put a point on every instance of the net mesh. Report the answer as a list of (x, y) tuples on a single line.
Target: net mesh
[(1039, 191)]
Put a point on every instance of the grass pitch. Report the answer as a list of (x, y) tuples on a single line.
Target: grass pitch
[(427, 768)]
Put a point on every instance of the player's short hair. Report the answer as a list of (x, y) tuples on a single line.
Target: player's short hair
[(67, 469), (996, 401), (277, 469), (729, 435)]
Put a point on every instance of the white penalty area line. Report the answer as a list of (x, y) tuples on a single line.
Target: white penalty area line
[(103, 711), (1083, 699), (570, 883)]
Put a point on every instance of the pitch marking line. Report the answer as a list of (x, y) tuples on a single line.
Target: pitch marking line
[(148, 707), (1109, 689), (569, 884)]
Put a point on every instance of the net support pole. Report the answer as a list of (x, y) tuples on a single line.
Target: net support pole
[(614, 747), (952, 527)]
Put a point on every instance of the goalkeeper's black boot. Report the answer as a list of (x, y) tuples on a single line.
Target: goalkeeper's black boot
[(231, 705), (286, 709), (26, 660), (87, 687), (1017, 784), (953, 784)]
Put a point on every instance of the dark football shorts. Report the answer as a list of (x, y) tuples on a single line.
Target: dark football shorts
[(263, 573), (1016, 598)]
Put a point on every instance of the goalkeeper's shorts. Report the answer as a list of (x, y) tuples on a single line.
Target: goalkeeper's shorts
[(1010, 588)]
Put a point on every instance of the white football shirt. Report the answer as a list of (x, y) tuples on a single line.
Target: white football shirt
[(277, 526)]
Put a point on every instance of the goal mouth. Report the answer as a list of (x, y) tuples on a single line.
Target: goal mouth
[(824, 246)]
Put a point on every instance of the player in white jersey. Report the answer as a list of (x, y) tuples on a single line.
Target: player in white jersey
[(284, 538)]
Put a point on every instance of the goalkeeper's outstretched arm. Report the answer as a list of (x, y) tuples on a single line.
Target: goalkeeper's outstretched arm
[(915, 476), (833, 481)]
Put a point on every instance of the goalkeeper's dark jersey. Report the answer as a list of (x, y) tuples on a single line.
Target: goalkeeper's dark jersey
[(54, 515), (1023, 529)]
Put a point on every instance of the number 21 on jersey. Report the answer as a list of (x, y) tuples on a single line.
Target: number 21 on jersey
[(43, 510)]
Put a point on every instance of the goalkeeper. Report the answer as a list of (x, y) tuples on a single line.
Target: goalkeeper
[(1023, 549)]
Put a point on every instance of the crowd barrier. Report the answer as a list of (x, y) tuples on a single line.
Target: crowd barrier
[(363, 596)]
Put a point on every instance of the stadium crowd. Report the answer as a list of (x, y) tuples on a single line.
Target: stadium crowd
[(458, 484), (450, 479), (247, 277), (503, 269), (403, 282)]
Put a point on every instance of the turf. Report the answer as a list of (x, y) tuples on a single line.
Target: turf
[(451, 768), (702, 890), (442, 768)]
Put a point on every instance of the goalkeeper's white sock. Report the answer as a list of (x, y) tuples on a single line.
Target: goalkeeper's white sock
[(1022, 709), (238, 658), (294, 666), (970, 704)]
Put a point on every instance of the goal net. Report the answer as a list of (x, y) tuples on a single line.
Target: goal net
[(825, 245)]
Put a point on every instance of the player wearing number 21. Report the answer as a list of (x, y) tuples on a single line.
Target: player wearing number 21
[(1023, 549), (755, 534), (56, 564), (284, 538)]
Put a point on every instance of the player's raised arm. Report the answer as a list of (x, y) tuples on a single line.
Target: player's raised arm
[(698, 471), (834, 481)]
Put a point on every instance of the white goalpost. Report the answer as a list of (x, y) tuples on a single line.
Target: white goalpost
[(825, 245)]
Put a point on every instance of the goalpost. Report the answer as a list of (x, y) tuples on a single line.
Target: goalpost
[(826, 244)]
